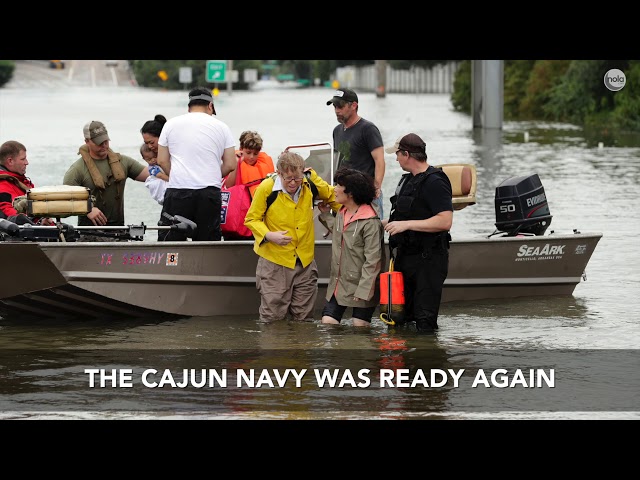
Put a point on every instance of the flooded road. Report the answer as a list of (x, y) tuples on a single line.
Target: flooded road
[(38, 74), (590, 339)]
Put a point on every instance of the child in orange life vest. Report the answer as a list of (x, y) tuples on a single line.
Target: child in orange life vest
[(253, 163)]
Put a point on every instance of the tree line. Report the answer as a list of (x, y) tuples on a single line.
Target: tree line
[(570, 91)]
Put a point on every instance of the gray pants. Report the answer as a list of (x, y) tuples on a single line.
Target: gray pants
[(286, 291)]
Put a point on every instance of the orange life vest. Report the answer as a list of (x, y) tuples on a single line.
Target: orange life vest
[(249, 173)]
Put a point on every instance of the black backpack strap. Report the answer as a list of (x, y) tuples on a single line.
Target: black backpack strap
[(314, 189), (271, 198)]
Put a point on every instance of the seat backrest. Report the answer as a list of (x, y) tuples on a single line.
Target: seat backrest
[(463, 180)]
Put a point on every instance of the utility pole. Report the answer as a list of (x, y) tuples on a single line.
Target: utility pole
[(381, 74), (229, 79), (487, 93)]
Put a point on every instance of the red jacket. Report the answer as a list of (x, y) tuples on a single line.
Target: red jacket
[(10, 188)]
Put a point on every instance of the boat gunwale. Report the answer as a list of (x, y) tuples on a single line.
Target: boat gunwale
[(230, 243)]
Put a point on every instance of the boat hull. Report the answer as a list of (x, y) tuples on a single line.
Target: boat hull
[(148, 279)]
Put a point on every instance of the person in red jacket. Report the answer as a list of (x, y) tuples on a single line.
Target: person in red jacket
[(13, 181)]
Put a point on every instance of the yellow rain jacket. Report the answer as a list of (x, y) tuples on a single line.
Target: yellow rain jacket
[(285, 214)]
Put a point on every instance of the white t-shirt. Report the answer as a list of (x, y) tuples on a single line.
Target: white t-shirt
[(196, 142)]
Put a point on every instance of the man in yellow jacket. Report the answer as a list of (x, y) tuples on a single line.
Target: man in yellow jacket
[(287, 275)]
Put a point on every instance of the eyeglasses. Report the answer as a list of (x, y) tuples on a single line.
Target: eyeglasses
[(292, 179)]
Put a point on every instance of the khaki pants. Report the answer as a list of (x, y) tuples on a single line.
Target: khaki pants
[(284, 290)]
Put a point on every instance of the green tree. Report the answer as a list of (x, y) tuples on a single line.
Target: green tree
[(146, 71), (626, 112), (461, 95), (581, 93), (570, 91), (537, 90), (516, 75), (7, 68)]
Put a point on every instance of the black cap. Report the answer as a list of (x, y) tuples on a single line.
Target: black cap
[(409, 142), (344, 94), (206, 96)]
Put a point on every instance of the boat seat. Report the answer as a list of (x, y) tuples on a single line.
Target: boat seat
[(58, 201), (463, 180)]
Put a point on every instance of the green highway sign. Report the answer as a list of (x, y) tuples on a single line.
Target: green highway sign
[(216, 71)]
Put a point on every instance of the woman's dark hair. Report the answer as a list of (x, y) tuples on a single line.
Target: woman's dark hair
[(154, 127), (360, 185)]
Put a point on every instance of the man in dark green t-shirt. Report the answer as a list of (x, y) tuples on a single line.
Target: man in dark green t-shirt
[(104, 172)]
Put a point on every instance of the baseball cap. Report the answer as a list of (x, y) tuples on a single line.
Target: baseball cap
[(409, 142), (203, 96), (344, 94), (96, 131)]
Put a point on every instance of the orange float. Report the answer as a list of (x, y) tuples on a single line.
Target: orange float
[(391, 296)]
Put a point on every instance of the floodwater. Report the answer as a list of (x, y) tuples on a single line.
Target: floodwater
[(587, 343)]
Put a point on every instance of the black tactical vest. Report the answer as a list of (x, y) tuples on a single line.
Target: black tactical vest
[(406, 204)]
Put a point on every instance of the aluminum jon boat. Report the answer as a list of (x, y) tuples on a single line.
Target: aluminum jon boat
[(54, 276)]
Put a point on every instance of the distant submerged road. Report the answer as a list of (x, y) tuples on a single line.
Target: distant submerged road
[(77, 73)]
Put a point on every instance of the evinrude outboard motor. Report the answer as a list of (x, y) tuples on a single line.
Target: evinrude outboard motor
[(521, 206)]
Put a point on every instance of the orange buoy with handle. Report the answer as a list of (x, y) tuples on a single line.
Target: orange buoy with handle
[(391, 296)]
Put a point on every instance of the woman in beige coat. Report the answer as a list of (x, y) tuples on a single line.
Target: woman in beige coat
[(357, 252)]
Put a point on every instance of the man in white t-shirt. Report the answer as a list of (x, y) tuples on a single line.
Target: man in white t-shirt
[(196, 150)]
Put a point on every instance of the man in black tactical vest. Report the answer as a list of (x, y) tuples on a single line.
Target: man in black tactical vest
[(418, 226)]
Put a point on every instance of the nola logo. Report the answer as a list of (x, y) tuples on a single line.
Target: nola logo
[(614, 79)]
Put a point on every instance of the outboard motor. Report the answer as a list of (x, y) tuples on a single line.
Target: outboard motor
[(521, 206)]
